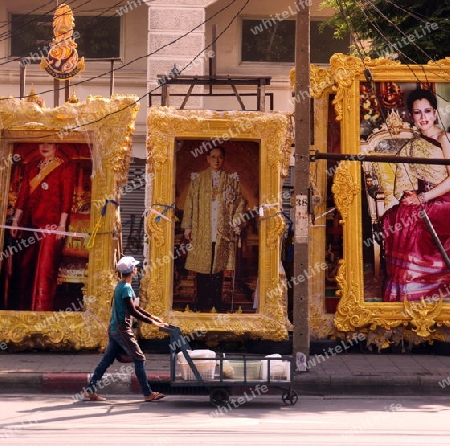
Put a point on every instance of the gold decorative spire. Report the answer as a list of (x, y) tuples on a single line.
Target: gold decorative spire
[(34, 97), (73, 99)]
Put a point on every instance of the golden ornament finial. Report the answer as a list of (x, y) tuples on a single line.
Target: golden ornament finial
[(73, 99), (394, 122), (34, 97)]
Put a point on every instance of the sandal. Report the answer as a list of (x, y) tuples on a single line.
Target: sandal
[(92, 396), (154, 396)]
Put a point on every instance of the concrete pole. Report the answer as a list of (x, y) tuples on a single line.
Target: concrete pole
[(301, 185)]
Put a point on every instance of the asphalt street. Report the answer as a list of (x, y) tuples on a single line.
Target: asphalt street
[(43, 420)]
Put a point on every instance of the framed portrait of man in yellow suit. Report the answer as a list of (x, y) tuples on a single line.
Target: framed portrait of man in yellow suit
[(215, 223)]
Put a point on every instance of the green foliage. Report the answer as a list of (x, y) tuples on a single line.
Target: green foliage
[(412, 32)]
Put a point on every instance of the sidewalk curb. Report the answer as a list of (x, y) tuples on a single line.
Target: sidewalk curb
[(33, 382), (303, 384), (411, 385)]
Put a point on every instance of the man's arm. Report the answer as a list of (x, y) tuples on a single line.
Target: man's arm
[(146, 313), (141, 314), (239, 209)]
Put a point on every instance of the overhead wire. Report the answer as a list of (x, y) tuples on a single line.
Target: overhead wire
[(423, 68), (404, 35), (425, 216), (145, 55), (7, 34), (67, 129), (7, 22), (371, 81), (367, 73), (415, 135), (360, 51), (414, 15), (47, 15)]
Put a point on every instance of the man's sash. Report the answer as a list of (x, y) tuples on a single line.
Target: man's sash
[(49, 168)]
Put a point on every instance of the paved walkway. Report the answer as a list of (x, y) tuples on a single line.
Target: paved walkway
[(345, 374)]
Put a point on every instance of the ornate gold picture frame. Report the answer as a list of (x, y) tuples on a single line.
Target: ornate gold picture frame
[(264, 138), (386, 322), (95, 137)]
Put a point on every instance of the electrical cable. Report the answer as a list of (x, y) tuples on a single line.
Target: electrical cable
[(91, 20), (423, 210), (144, 56), (376, 27), (65, 130), (7, 34), (7, 22), (372, 82), (404, 35), (46, 15), (404, 55), (350, 28), (414, 15)]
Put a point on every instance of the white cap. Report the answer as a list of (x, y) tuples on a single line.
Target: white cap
[(126, 265)]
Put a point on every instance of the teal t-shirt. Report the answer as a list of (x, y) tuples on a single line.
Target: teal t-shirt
[(123, 291)]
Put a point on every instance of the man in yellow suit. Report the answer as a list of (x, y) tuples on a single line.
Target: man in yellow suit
[(213, 204)]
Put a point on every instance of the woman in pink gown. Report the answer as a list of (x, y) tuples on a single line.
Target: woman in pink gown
[(415, 265)]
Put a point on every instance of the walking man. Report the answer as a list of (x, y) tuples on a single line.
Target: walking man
[(121, 335)]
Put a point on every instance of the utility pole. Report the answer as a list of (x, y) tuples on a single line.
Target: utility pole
[(301, 185)]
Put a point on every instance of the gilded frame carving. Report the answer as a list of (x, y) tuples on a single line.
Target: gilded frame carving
[(106, 125), (273, 132), (418, 320)]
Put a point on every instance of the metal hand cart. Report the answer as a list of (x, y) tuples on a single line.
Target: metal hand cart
[(220, 374)]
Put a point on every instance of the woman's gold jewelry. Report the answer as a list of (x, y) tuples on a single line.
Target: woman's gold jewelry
[(45, 163)]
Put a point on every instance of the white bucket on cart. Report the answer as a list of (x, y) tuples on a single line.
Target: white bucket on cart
[(205, 367), (279, 369)]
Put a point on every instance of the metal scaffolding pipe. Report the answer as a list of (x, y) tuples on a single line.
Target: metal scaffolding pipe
[(377, 158)]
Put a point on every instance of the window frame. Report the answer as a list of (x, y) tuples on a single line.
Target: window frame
[(39, 46)]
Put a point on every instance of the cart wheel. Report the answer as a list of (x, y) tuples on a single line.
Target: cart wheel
[(291, 397), (219, 396)]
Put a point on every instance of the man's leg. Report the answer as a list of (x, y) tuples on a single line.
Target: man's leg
[(216, 291), (128, 342), (204, 292), (207, 287), (141, 375), (106, 361)]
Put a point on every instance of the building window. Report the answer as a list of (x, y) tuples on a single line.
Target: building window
[(268, 40), (98, 37), (271, 40)]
